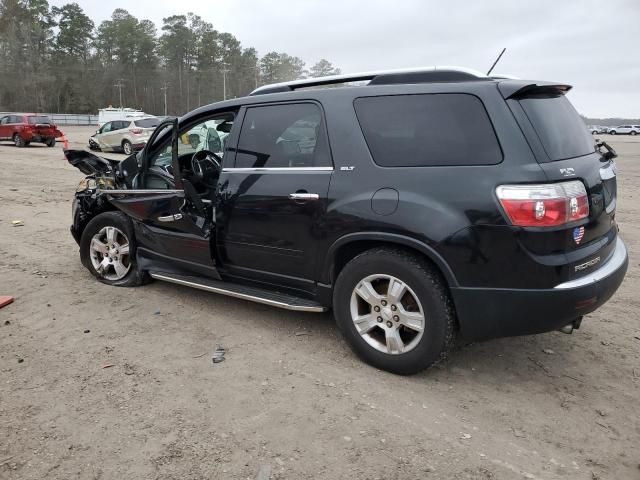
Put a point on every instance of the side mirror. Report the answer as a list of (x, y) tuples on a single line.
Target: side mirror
[(224, 127)]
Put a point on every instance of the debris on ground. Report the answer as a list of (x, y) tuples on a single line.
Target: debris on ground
[(17, 223), (548, 351), (465, 436), (87, 331), (108, 365), (5, 300), (299, 334), (157, 312), (200, 356), (7, 322), (218, 355), (20, 360), (128, 369), (264, 473)]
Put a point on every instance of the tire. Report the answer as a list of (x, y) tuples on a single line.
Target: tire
[(50, 142), (633, 132), (19, 141), (127, 148), (101, 244), (424, 293), (612, 132)]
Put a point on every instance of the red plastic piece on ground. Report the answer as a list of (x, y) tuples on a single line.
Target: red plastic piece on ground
[(5, 300)]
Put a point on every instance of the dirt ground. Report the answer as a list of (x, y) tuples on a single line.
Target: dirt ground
[(290, 399)]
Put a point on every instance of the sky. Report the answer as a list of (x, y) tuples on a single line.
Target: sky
[(592, 45)]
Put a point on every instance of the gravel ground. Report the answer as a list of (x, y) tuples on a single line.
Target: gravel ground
[(101, 382)]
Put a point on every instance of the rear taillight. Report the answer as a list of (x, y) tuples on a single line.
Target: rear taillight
[(136, 131), (545, 205)]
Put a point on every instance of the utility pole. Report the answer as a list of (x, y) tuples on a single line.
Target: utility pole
[(164, 89), (119, 86), (257, 69), (224, 81)]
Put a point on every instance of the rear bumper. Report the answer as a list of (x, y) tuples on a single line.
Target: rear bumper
[(485, 313)]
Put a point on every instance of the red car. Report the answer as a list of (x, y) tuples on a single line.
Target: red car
[(24, 128)]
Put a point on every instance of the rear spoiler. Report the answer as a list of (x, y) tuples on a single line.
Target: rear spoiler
[(518, 89)]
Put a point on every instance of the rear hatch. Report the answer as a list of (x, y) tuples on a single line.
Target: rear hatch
[(566, 151), (143, 128), (42, 125)]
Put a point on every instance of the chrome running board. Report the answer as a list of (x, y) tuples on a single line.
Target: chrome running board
[(253, 294)]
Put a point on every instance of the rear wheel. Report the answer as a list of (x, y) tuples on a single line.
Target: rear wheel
[(107, 249), (612, 132), (51, 142), (126, 147), (633, 132), (19, 141), (394, 310)]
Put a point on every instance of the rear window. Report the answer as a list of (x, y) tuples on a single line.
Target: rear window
[(428, 130), (147, 123), (559, 127), (39, 119)]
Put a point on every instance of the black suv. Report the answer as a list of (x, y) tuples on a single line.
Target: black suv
[(417, 204)]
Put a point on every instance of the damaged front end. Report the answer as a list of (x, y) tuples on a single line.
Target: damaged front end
[(103, 175)]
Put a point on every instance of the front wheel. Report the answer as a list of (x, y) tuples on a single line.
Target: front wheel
[(51, 142), (612, 132), (19, 141), (107, 249), (394, 310), (126, 147)]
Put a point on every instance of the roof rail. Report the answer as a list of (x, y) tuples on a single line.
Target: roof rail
[(409, 75)]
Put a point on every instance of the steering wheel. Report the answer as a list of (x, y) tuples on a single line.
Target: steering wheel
[(206, 164)]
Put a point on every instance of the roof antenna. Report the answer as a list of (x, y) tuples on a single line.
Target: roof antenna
[(496, 62)]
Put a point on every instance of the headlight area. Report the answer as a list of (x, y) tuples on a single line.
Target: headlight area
[(92, 183), (84, 185)]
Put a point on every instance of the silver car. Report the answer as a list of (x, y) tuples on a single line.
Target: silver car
[(125, 136), (625, 130)]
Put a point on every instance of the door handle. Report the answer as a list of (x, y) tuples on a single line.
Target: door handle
[(170, 218), (304, 196)]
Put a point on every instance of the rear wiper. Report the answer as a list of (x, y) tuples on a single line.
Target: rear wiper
[(607, 155)]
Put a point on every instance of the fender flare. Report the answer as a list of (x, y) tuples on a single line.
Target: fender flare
[(392, 238)]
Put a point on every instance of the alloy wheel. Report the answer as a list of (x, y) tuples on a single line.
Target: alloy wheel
[(109, 252), (387, 314)]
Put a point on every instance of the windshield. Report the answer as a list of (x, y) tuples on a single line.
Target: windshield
[(559, 127), (39, 119), (147, 123)]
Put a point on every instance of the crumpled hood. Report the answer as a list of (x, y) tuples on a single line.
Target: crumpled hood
[(90, 164)]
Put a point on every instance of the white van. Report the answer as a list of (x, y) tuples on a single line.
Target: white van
[(108, 114)]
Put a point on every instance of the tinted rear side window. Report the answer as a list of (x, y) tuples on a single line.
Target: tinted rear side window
[(428, 130), (559, 127), (147, 123)]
